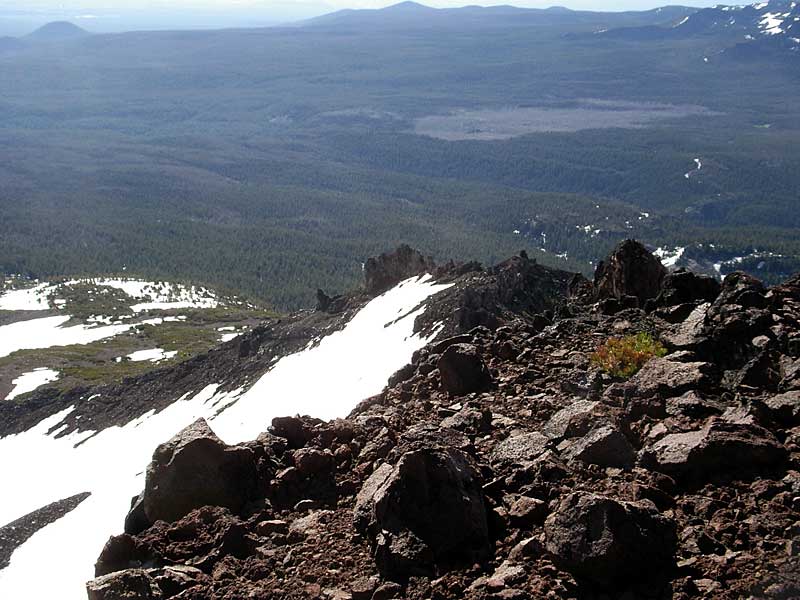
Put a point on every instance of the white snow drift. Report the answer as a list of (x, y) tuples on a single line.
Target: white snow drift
[(49, 331), (151, 295), (669, 258), (27, 382), (33, 298), (326, 380), (153, 355)]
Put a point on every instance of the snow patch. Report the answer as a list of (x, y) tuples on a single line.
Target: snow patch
[(698, 165), (154, 355), (669, 258), (771, 23), (27, 382), (33, 298), (48, 332), (590, 230)]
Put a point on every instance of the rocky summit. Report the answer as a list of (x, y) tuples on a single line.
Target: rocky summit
[(503, 461)]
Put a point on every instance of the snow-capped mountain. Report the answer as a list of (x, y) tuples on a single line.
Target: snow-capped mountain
[(773, 25), (777, 20)]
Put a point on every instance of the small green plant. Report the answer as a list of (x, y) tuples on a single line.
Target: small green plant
[(623, 357)]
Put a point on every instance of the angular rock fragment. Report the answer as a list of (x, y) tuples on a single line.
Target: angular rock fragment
[(630, 271), (785, 408), (604, 446), (607, 541), (131, 584), (428, 509), (719, 449), (462, 370), (573, 421), (194, 469), (668, 378), (520, 448)]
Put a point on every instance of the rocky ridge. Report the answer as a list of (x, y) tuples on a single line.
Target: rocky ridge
[(501, 464)]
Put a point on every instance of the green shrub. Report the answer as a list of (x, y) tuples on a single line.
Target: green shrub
[(623, 357)]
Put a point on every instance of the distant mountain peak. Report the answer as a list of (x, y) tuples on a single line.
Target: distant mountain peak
[(58, 30), (407, 6)]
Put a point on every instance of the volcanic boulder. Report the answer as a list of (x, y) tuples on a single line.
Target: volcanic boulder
[(132, 584), (608, 541), (719, 449), (630, 271), (574, 420), (785, 407), (195, 468), (667, 378), (685, 287), (604, 446), (462, 370), (428, 509)]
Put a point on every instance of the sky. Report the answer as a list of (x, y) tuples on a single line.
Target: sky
[(21, 16)]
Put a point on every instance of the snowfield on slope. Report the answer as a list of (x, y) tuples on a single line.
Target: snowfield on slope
[(153, 295), (49, 331), (27, 382), (327, 379)]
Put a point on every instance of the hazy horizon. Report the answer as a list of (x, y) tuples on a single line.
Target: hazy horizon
[(124, 15)]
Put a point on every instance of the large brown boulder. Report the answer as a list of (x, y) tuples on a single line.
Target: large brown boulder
[(685, 287), (428, 510), (718, 450), (193, 469), (607, 541), (630, 271), (462, 370), (391, 268)]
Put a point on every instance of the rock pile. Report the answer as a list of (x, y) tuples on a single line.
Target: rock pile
[(501, 464)]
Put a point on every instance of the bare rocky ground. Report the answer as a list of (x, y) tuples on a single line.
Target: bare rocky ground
[(501, 464)]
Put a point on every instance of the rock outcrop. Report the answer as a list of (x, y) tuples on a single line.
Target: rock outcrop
[(389, 269), (718, 450), (629, 272)]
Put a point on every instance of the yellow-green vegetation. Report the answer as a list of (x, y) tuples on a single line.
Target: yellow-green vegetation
[(106, 361), (623, 357)]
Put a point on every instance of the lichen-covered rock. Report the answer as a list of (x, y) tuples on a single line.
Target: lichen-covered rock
[(667, 378), (785, 407), (520, 448), (574, 420)]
